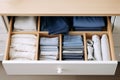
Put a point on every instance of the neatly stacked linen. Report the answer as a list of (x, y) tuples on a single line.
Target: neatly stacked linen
[(88, 23), (25, 23), (73, 48), (23, 47), (48, 48)]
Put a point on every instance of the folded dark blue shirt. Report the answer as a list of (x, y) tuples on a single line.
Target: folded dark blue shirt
[(54, 25)]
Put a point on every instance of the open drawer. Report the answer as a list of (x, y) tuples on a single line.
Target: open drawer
[(60, 66)]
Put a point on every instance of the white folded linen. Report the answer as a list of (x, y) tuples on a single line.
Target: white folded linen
[(97, 47), (17, 54), (23, 48), (105, 48), (28, 41), (24, 36), (49, 41), (25, 23)]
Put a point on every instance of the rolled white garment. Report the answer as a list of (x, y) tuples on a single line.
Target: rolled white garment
[(105, 48), (90, 53), (17, 54), (49, 41), (23, 48), (28, 41), (24, 36), (25, 23), (97, 47)]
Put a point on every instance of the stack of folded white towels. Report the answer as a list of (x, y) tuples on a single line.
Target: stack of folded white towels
[(25, 23), (48, 48), (23, 47)]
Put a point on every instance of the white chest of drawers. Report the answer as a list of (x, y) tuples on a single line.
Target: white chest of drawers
[(61, 8)]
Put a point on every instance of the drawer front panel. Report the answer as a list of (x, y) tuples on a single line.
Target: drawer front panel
[(60, 68)]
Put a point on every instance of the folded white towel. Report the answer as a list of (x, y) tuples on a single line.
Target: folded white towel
[(28, 41), (23, 48), (97, 47), (24, 36), (17, 54), (105, 48), (25, 23)]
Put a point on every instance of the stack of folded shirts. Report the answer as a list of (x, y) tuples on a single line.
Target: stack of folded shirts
[(88, 23), (48, 48), (23, 47), (25, 23), (54, 25), (73, 47)]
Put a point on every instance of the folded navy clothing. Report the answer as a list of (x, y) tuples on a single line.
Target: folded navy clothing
[(88, 28), (88, 21), (54, 25), (73, 47)]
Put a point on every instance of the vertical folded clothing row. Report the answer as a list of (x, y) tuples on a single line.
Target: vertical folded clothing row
[(55, 25), (49, 48), (98, 49), (25, 23), (88, 23), (23, 47), (73, 48)]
